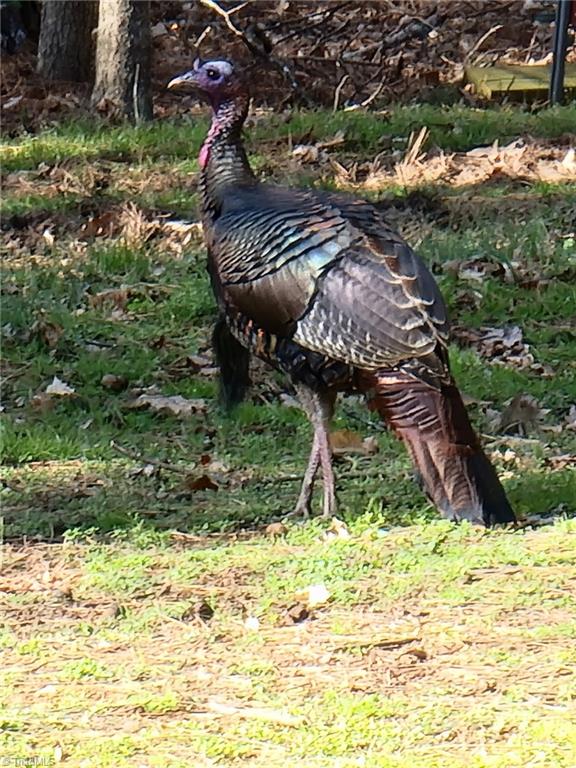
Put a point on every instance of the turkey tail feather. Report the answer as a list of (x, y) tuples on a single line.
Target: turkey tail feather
[(454, 470), (233, 360)]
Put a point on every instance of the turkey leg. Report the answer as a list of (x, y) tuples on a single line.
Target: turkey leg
[(319, 407), (303, 505)]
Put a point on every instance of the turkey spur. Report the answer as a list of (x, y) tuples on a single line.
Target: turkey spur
[(319, 286)]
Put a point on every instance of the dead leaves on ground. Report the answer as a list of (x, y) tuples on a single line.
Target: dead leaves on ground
[(524, 416), (115, 301), (48, 331), (348, 54), (33, 237), (520, 160), (503, 346), (521, 415), (173, 405), (345, 441)]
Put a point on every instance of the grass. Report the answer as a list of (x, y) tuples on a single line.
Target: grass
[(149, 622), (439, 646)]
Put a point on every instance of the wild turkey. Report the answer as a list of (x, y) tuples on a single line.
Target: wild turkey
[(320, 287)]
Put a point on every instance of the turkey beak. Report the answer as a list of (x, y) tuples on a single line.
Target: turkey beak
[(187, 81)]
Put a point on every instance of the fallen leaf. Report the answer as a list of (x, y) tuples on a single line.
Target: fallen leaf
[(137, 229), (306, 153), (204, 611), (215, 467), (475, 269), (103, 225), (296, 613), (571, 418), (564, 461), (370, 446), (505, 346), (200, 483), (313, 596), (42, 402), (521, 415), (60, 388), (251, 622), (176, 405), (115, 297), (336, 140), (48, 332), (343, 441), (201, 610), (11, 103), (113, 382)]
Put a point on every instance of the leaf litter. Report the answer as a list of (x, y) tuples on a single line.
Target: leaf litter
[(502, 346), (340, 55), (173, 405)]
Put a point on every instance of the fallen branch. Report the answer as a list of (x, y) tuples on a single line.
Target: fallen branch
[(338, 91), (226, 15), (484, 37)]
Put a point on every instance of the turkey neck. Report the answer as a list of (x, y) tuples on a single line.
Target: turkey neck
[(223, 159)]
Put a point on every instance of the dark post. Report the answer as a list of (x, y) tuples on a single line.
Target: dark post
[(563, 9)]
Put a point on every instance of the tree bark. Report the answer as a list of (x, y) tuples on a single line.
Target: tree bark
[(123, 59), (66, 46)]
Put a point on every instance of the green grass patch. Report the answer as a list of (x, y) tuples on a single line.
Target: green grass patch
[(159, 625)]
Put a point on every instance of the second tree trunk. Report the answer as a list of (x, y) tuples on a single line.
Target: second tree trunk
[(123, 58)]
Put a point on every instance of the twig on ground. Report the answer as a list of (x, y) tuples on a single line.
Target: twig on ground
[(364, 642), (205, 32), (149, 460), (373, 95), (484, 37), (338, 91), (355, 475), (510, 439)]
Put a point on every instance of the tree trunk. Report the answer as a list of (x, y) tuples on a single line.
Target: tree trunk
[(66, 45), (123, 59)]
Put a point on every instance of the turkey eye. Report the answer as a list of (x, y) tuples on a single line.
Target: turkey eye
[(213, 74)]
